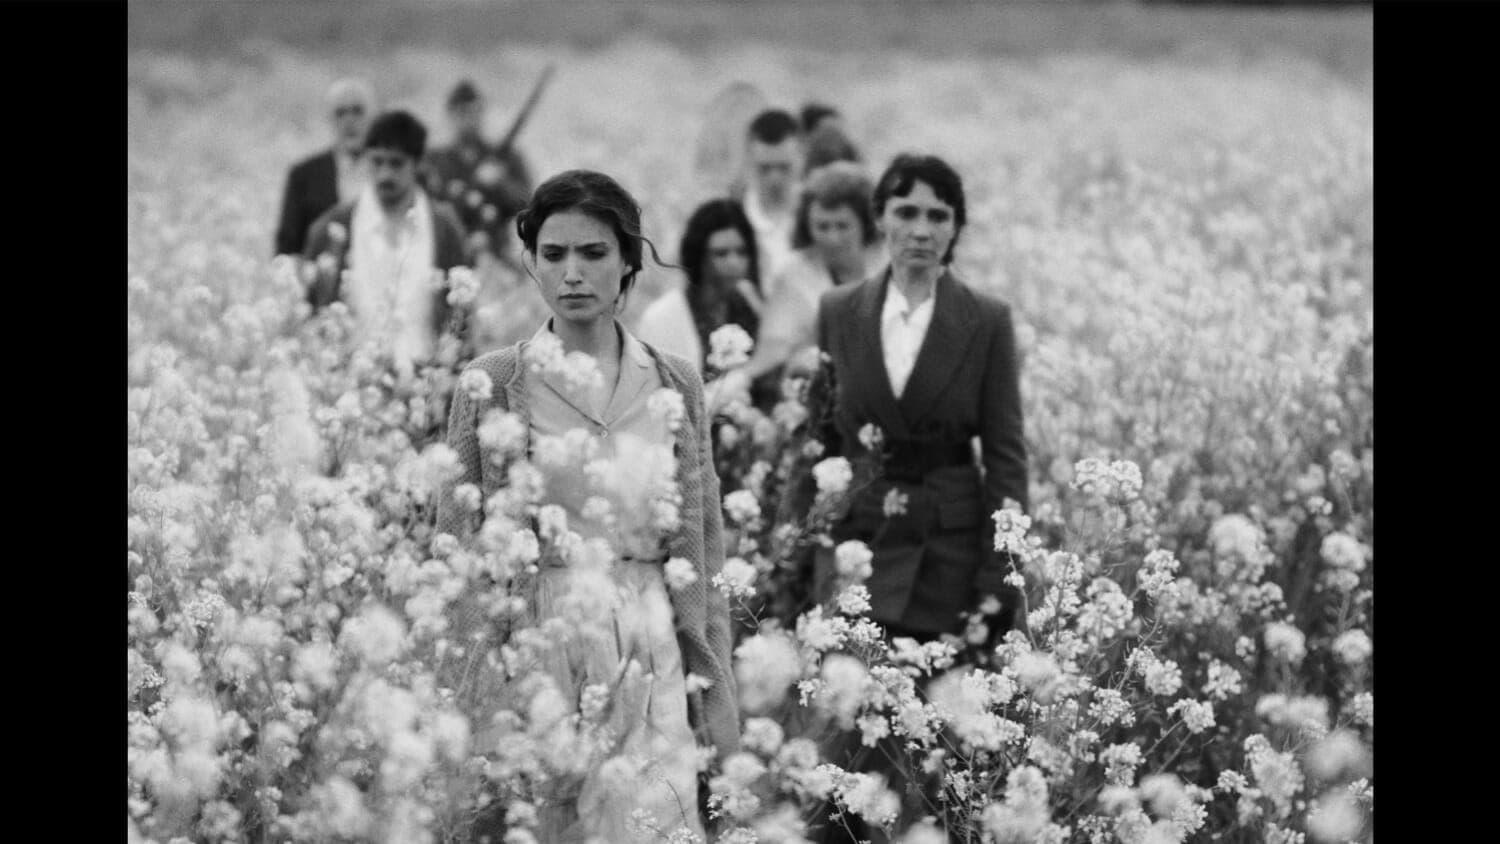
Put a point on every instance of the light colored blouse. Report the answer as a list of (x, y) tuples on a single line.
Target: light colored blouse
[(903, 327), (789, 324), (558, 407), (667, 324)]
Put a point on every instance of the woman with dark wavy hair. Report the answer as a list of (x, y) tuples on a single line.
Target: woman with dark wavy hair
[(582, 246), (930, 362), (718, 258)]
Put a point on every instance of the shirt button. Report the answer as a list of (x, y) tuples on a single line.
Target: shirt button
[(603, 432)]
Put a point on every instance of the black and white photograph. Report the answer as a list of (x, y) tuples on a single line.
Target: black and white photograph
[(750, 421)]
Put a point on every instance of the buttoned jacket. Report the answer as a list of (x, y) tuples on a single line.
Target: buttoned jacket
[(932, 561)]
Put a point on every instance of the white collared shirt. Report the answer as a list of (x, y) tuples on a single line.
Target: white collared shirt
[(391, 276), (350, 176), (902, 330), (667, 323), (773, 235)]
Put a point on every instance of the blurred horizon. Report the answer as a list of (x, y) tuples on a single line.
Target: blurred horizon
[(1338, 36)]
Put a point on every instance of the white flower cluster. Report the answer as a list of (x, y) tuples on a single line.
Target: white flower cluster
[(1118, 481), (1353, 647), (1276, 775), (1010, 530), (1361, 709), (966, 700), (833, 475), (1343, 551), (463, 287), (818, 634), (1197, 715), (853, 559), (1307, 713), (1340, 755), (1162, 676), (729, 347), (736, 579), (865, 795), (666, 404), (1023, 815), (1285, 642), (765, 665), (476, 384), (1157, 576), (679, 573), (741, 507), (544, 355)]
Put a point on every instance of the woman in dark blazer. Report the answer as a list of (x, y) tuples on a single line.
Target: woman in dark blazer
[(931, 362)]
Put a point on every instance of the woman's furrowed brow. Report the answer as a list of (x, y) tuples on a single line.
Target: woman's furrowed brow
[(563, 244)]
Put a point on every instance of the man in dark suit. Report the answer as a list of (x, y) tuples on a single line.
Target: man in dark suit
[(319, 182), (931, 363), (394, 242), (487, 185)]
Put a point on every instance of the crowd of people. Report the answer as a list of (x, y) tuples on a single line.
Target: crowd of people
[(913, 372)]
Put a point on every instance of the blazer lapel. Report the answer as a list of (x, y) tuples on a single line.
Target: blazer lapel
[(868, 373), (948, 338)]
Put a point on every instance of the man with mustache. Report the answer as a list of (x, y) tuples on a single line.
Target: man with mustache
[(385, 252), (319, 182)]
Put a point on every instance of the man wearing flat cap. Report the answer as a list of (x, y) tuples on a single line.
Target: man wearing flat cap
[(385, 253), (319, 182), (487, 185)]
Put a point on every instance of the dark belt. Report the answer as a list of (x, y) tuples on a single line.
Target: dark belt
[(911, 460)]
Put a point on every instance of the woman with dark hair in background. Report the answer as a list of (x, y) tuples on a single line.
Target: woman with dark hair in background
[(718, 258), (815, 115), (582, 245), (931, 363), (828, 144)]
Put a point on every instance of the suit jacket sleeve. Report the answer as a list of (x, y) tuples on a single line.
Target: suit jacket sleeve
[(325, 288), (291, 229), (1003, 449), (821, 393)]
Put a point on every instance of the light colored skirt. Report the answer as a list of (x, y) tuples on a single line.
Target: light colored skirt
[(655, 766)]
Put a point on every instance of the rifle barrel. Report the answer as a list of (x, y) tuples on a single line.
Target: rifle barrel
[(525, 113)]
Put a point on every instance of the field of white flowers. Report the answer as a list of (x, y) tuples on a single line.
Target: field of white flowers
[(1187, 245)]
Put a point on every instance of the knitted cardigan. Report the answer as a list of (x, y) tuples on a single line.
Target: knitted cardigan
[(701, 611)]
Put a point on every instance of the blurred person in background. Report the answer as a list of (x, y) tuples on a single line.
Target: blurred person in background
[(931, 363), (393, 240), (815, 115), (719, 259), (836, 242), (582, 245), (774, 152), (487, 185), (319, 182), (827, 144)]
